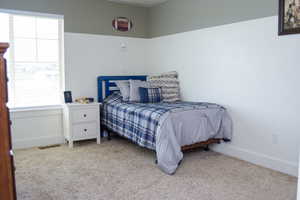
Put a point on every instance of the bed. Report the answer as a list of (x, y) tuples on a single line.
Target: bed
[(167, 128)]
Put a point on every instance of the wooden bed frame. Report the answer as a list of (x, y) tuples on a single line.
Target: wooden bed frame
[(106, 86), (204, 144)]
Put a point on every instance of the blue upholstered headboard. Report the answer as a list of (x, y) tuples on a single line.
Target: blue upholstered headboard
[(110, 86)]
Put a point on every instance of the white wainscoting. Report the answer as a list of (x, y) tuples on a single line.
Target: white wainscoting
[(254, 73), (40, 127), (298, 193)]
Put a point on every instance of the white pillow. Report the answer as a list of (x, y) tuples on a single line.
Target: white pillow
[(134, 89), (124, 87)]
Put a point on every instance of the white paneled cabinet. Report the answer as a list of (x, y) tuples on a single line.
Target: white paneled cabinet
[(81, 122)]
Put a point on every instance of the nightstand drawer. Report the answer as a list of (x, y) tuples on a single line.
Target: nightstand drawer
[(84, 115), (84, 131)]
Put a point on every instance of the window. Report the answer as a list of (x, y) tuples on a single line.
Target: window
[(34, 59)]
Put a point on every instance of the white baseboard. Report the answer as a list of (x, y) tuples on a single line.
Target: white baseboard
[(36, 142), (258, 159)]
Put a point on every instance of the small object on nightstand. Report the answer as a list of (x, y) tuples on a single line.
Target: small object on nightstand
[(81, 122), (68, 97), (90, 99), (84, 100)]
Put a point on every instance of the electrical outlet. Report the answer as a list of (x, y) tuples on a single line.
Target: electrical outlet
[(275, 138)]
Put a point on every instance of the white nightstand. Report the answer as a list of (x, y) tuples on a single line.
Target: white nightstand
[(81, 122)]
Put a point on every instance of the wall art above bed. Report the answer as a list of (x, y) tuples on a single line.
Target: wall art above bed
[(289, 17)]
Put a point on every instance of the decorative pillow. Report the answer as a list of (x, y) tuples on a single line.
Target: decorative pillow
[(124, 87), (134, 89), (171, 74), (169, 84), (150, 95)]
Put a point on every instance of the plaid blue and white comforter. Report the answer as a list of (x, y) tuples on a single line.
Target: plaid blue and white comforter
[(139, 122)]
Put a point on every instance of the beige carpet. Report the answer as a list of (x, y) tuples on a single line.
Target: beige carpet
[(121, 170)]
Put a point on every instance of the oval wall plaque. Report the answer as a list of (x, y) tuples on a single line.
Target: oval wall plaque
[(122, 24)]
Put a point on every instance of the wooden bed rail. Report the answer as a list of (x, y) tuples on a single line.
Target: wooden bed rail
[(201, 144)]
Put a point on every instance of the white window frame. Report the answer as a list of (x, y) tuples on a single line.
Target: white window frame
[(61, 55)]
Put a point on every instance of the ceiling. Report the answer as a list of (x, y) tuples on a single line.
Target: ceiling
[(146, 3)]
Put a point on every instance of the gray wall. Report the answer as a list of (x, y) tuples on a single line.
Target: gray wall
[(177, 16), (174, 16), (87, 16)]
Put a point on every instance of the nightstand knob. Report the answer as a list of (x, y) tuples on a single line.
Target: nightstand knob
[(85, 130), (84, 115)]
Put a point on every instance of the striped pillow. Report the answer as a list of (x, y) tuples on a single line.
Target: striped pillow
[(172, 74), (169, 84)]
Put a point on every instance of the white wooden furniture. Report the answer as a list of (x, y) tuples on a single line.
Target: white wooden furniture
[(81, 122)]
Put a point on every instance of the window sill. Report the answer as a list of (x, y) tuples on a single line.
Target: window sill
[(36, 108)]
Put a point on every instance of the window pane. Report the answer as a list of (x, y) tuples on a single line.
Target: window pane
[(4, 33), (48, 50), (36, 84), (47, 28), (24, 26), (34, 66), (25, 50)]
